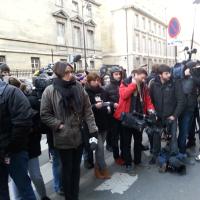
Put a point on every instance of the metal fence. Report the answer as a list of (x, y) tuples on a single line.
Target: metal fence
[(22, 73)]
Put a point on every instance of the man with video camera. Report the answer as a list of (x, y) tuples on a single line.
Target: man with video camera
[(168, 99), (189, 74), (134, 97)]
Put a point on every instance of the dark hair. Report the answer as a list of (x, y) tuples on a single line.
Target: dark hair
[(92, 77), (4, 68), (60, 67), (154, 68), (141, 71), (14, 81), (163, 68)]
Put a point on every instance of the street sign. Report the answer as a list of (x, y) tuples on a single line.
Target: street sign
[(174, 27)]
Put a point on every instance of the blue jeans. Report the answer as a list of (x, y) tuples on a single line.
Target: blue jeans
[(36, 177), (56, 169), (17, 169), (185, 122)]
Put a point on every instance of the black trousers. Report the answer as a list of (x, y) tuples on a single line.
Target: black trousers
[(71, 160), (127, 134), (116, 129)]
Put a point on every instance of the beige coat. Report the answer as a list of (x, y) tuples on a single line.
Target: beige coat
[(53, 115)]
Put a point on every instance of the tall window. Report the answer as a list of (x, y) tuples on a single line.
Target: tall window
[(144, 23), (92, 66), (35, 63), (77, 36), (150, 25), (89, 10), (2, 59), (159, 48), (137, 43), (60, 33), (155, 28), (144, 44), (159, 28), (137, 21), (164, 32), (150, 46), (59, 3), (75, 6), (90, 37)]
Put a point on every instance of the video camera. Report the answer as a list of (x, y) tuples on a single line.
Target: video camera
[(140, 121)]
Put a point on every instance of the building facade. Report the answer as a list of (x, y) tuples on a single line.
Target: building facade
[(35, 33), (136, 37)]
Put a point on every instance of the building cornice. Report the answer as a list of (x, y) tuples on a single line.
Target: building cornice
[(94, 2)]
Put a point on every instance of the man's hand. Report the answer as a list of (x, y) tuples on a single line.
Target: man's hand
[(61, 126), (99, 105), (116, 105), (187, 72), (172, 118)]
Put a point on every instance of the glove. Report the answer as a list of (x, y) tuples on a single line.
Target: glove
[(93, 141)]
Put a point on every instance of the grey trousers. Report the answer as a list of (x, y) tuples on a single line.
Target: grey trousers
[(99, 153)]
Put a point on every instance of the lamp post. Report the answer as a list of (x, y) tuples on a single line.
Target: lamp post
[(84, 40)]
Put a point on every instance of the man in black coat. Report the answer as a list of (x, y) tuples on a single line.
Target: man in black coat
[(15, 124), (112, 90), (168, 98)]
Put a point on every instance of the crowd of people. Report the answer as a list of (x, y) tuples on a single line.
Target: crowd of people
[(79, 113)]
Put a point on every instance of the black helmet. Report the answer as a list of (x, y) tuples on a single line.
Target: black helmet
[(115, 69)]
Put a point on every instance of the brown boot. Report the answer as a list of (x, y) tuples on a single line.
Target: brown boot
[(106, 173), (97, 173)]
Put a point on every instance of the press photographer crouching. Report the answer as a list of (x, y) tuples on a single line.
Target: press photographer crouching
[(189, 74), (168, 99), (134, 96)]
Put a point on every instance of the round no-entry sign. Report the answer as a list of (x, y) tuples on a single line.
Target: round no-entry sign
[(174, 27)]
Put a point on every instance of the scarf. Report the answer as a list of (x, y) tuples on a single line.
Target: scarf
[(69, 91)]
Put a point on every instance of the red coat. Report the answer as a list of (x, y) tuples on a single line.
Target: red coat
[(125, 93)]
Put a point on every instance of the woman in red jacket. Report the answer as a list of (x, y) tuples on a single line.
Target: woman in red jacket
[(134, 96)]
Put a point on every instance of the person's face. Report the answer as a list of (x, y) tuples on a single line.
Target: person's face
[(95, 83), (68, 73), (165, 76), (117, 76), (140, 78), (106, 80), (5, 73)]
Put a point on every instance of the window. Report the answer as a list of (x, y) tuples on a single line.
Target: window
[(90, 37), (154, 47), (60, 33), (163, 32), (159, 28), (150, 46), (59, 3), (159, 48), (144, 23), (75, 6), (63, 60), (35, 63), (144, 44), (164, 48), (137, 43), (92, 66), (3, 59), (137, 21), (77, 36), (155, 28), (89, 10), (79, 64), (150, 25)]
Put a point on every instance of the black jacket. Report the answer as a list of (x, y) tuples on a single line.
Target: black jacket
[(101, 115), (15, 119), (112, 90), (167, 98)]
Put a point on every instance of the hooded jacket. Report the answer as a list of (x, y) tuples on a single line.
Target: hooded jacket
[(126, 91), (53, 114), (15, 119)]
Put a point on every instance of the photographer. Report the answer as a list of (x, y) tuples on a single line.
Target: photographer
[(114, 132), (168, 99), (134, 96), (190, 82), (98, 97)]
